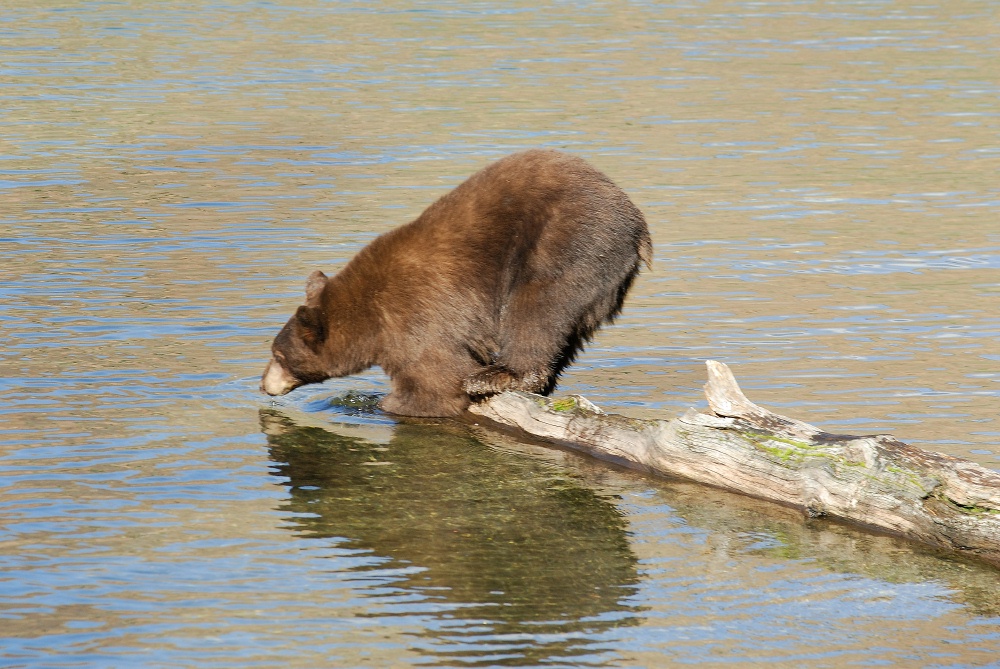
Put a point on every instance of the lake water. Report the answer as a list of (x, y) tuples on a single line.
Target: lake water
[(821, 182)]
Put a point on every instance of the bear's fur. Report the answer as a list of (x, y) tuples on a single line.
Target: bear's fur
[(495, 286)]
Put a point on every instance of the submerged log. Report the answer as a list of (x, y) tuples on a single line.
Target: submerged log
[(874, 481)]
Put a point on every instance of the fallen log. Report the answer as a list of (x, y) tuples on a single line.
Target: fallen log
[(874, 481)]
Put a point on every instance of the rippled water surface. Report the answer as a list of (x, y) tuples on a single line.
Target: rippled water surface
[(821, 181)]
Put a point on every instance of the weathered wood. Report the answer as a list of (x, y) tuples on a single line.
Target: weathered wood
[(875, 481)]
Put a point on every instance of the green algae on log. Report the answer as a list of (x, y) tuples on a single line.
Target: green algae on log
[(875, 481)]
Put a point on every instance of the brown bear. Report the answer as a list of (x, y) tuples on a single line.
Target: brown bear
[(496, 286)]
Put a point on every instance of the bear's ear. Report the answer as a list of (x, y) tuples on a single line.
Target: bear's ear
[(314, 287), (312, 326)]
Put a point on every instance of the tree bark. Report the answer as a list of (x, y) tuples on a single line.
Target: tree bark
[(874, 481)]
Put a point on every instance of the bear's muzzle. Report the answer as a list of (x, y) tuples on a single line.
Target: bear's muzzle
[(277, 380)]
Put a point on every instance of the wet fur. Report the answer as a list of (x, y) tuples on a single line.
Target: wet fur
[(497, 285)]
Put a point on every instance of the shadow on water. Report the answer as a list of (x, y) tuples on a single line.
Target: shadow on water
[(505, 551)]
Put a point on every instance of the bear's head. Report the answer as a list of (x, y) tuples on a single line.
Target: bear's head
[(296, 357)]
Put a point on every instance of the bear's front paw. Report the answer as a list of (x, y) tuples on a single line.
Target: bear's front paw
[(427, 406)]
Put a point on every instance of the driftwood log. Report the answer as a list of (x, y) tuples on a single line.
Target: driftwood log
[(874, 481)]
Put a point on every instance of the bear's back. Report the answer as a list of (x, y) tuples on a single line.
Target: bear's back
[(538, 218), (529, 215)]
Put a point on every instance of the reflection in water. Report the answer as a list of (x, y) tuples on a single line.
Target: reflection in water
[(744, 527), (506, 552), (737, 528), (492, 551)]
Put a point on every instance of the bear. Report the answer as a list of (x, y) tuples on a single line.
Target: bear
[(496, 286)]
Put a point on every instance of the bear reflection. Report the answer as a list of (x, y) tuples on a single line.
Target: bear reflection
[(508, 539)]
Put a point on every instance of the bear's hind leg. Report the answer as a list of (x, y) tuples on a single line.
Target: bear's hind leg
[(545, 326), (539, 335), (496, 379)]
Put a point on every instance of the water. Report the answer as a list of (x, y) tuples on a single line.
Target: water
[(820, 182)]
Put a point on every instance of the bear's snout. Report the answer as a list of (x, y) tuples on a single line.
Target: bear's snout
[(277, 380)]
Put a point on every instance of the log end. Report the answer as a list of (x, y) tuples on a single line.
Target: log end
[(725, 397)]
